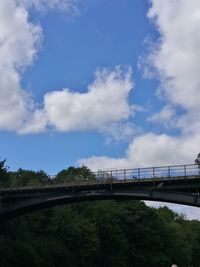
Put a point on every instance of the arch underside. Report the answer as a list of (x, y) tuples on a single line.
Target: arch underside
[(51, 201)]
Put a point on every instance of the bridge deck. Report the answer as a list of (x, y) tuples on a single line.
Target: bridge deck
[(176, 184), (137, 175), (142, 182)]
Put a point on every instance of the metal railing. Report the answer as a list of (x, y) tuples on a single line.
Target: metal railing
[(127, 175), (150, 172)]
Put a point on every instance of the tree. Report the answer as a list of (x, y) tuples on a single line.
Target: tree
[(4, 175), (28, 177), (75, 174)]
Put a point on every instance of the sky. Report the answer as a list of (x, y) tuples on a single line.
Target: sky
[(104, 83)]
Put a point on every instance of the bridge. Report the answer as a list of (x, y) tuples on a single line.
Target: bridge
[(175, 184)]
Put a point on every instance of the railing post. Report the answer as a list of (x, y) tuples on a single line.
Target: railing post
[(185, 171), (111, 181), (138, 173), (169, 172), (153, 172), (124, 175)]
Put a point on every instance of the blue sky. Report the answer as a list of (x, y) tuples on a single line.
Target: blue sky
[(73, 47), (105, 83), (98, 82)]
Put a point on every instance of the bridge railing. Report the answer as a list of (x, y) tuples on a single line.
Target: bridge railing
[(151, 172), (123, 175)]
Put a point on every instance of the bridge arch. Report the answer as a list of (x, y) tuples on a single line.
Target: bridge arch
[(151, 195), (179, 184)]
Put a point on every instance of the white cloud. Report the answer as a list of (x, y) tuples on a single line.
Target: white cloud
[(165, 116), (176, 55), (19, 40), (41, 5), (150, 150), (120, 131), (106, 101), (18, 37)]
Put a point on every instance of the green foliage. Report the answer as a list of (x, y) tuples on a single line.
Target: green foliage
[(104, 233), (22, 177), (4, 175), (28, 178), (3, 168), (73, 174), (95, 234)]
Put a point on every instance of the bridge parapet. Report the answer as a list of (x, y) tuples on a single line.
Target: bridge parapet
[(150, 172)]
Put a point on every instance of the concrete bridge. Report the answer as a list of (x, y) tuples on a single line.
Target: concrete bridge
[(175, 184)]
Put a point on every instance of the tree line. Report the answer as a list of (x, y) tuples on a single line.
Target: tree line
[(23, 177), (99, 233)]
